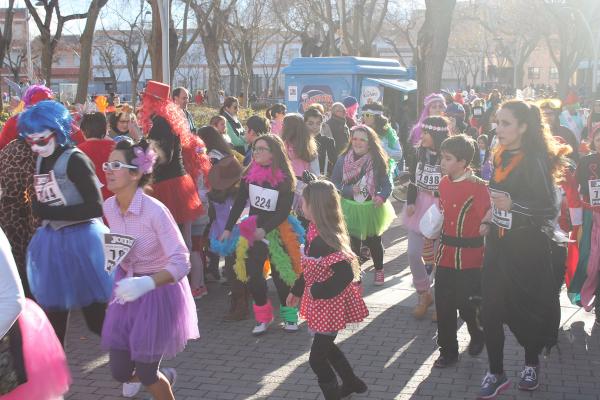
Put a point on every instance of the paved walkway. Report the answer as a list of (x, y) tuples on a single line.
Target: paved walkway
[(390, 351)]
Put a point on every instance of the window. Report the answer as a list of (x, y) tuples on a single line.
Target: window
[(534, 72), (553, 73)]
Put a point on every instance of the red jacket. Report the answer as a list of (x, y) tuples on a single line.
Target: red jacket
[(464, 204)]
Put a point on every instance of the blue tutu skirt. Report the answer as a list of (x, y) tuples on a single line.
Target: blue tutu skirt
[(65, 267)]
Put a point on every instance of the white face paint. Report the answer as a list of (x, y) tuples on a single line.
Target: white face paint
[(43, 149)]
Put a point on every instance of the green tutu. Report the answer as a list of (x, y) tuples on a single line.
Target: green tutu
[(365, 220)]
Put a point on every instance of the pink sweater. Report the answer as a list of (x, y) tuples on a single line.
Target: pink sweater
[(158, 243)]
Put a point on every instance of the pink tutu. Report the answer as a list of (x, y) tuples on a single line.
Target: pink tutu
[(422, 204), (48, 376)]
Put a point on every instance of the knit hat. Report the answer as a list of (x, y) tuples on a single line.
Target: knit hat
[(349, 101), (36, 93), (455, 110)]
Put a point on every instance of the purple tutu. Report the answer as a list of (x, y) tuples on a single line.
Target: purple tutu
[(422, 204), (222, 211), (157, 325)]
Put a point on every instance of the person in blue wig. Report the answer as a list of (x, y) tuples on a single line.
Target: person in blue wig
[(65, 258)]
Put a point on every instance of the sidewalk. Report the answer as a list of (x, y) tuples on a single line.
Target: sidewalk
[(390, 351)]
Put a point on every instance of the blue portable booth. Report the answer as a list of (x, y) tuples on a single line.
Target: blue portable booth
[(326, 80)]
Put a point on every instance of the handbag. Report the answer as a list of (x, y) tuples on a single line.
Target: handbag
[(431, 222)]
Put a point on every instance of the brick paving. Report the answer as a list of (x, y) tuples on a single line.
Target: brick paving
[(390, 351)]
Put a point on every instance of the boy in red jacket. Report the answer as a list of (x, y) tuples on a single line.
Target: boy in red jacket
[(464, 202)]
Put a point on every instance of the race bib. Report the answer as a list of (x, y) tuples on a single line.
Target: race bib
[(116, 247), (502, 219), (594, 185), (47, 190), (363, 193), (429, 176), (263, 198)]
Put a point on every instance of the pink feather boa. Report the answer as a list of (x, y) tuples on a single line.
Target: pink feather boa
[(247, 229), (258, 174)]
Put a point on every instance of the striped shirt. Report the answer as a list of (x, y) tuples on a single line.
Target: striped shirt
[(158, 242)]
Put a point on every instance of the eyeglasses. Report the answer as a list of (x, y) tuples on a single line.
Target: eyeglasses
[(261, 150), (116, 166), (39, 142)]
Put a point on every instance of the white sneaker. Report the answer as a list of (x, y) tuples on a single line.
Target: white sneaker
[(260, 328), (130, 389), (290, 326), (170, 374)]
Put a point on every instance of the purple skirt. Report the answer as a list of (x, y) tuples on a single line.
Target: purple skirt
[(157, 325), (222, 211), (422, 204)]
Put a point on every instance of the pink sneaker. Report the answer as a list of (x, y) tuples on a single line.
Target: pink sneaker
[(200, 292), (379, 277)]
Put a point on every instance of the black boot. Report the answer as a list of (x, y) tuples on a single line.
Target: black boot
[(330, 390), (350, 382)]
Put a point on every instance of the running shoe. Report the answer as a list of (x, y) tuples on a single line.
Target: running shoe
[(492, 385), (529, 378)]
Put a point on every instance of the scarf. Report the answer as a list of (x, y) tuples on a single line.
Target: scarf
[(259, 174), (354, 169)]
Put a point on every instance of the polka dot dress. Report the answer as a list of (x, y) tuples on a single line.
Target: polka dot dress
[(329, 315)]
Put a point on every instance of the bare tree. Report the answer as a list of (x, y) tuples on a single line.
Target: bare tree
[(86, 39), (45, 26), (212, 17), (6, 35), (107, 52), (432, 45), (182, 35), (271, 70), (400, 28), (130, 40), (567, 38), (14, 62), (248, 33), (361, 21)]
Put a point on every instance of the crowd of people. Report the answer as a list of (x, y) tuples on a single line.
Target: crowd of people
[(126, 213)]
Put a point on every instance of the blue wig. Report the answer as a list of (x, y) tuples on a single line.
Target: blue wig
[(47, 114)]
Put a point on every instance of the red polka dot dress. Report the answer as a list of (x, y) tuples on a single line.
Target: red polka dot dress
[(328, 315)]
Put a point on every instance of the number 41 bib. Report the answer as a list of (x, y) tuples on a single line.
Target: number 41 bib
[(263, 198)]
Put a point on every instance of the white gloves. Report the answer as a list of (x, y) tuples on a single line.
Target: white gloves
[(131, 289)]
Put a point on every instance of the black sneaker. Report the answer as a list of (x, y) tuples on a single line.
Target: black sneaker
[(476, 346), (445, 361), (492, 385), (529, 378)]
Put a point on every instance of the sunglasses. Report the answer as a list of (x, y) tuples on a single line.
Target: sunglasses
[(39, 142), (368, 115), (116, 166), (261, 150)]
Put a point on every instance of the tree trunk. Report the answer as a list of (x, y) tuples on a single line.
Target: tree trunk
[(85, 58), (211, 49), (46, 61), (433, 45), (155, 45), (134, 92)]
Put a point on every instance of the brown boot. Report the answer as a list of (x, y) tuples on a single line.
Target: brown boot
[(239, 302), (425, 300)]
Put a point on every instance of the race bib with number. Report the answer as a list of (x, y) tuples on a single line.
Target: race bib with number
[(502, 219), (263, 198), (47, 190), (116, 247), (594, 185), (428, 176), (363, 193)]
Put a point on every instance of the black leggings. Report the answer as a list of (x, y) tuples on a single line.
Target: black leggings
[(257, 284), (374, 244), (93, 314), (324, 354)]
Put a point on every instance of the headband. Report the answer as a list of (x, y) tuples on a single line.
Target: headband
[(434, 128), (374, 112)]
